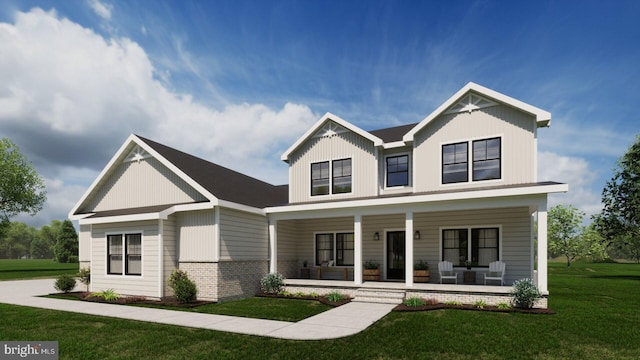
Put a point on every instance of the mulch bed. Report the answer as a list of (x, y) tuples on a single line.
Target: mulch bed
[(438, 306), (322, 299), (128, 300)]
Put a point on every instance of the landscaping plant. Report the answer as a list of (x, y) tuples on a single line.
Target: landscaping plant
[(108, 294), (85, 276), (65, 283), (335, 296), (525, 293), (414, 302), (184, 289), (272, 283)]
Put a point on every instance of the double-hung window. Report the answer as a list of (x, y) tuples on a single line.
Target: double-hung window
[(454, 163), (335, 247), (486, 159), (124, 254), (334, 179), (485, 162), (398, 170), (481, 250)]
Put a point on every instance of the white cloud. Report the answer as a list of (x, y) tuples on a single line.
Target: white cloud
[(101, 9), (69, 97), (574, 171)]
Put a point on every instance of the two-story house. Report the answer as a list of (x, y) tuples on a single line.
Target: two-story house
[(461, 186)]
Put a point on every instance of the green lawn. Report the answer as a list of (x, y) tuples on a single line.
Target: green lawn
[(597, 307), (15, 269)]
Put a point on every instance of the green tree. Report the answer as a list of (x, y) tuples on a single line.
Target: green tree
[(594, 248), (41, 249), (66, 249), (619, 220), (22, 190), (16, 242), (564, 232)]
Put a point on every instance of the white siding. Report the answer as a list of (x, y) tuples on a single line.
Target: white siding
[(138, 184), (341, 146), (145, 285), (287, 241), (305, 240), (375, 249), (243, 236), (516, 129), (169, 251), (196, 236), (84, 243)]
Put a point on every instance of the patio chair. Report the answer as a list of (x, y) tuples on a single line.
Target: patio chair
[(496, 272), (445, 268)]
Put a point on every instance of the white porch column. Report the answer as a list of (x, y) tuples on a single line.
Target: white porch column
[(357, 244), (273, 246), (408, 249), (542, 247)]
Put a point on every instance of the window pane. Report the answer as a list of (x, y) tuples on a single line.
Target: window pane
[(486, 159), (134, 254), (484, 246), (398, 170), (114, 254), (454, 163), (455, 246), (342, 176), (324, 248), (320, 178), (344, 249)]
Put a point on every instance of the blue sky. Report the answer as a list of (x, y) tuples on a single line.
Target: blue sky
[(236, 82)]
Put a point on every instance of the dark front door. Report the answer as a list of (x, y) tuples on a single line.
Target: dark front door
[(395, 255)]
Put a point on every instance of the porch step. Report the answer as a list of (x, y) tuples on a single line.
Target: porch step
[(381, 296)]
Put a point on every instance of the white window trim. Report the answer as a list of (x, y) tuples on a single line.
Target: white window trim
[(335, 247), (330, 194), (106, 254), (409, 171), (469, 142), (386, 246), (469, 228)]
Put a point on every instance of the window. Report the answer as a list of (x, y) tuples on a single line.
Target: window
[(336, 247), (481, 250), (320, 178), (342, 176), (398, 170), (454, 163), (486, 159), (132, 255)]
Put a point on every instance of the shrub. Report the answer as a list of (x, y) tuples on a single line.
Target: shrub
[(272, 283), (480, 304), (504, 306), (370, 265), (108, 294), (421, 265), (414, 302), (184, 289), (65, 283), (85, 276), (525, 293), (335, 296)]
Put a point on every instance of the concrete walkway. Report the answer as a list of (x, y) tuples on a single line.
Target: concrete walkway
[(342, 321)]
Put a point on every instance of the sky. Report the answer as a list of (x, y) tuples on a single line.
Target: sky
[(237, 82)]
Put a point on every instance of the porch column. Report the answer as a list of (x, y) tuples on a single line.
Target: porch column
[(273, 246), (408, 248), (357, 244), (542, 247)]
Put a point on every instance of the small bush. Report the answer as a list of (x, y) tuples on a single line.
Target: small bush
[(421, 265), (335, 296), (480, 304), (371, 265), (184, 289), (453, 302), (65, 283), (85, 276), (414, 302), (272, 283), (525, 293), (504, 306), (108, 294)]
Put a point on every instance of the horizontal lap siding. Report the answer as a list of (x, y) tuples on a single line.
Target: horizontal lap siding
[(287, 240), (243, 236), (145, 285), (372, 249), (308, 228), (196, 235)]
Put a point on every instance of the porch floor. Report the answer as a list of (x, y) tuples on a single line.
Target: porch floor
[(392, 285)]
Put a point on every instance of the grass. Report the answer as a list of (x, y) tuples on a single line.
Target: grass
[(16, 269), (597, 314)]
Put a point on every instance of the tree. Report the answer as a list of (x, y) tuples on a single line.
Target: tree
[(66, 249), (16, 242), (619, 221), (564, 228), (41, 249), (22, 190)]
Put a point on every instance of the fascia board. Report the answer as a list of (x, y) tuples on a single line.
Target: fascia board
[(121, 218), (329, 116), (543, 118), (241, 207)]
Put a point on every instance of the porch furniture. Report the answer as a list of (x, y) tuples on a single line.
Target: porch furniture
[(305, 273), (445, 268), (469, 277), (328, 269), (496, 272)]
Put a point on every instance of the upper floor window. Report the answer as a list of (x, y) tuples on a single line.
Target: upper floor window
[(320, 178), (486, 159), (398, 170), (339, 173), (454, 163)]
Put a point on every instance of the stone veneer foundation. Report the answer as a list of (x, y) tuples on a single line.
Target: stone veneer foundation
[(226, 280)]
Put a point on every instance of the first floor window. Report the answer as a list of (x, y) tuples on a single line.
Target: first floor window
[(124, 254), (481, 250), (320, 178), (398, 170), (335, 247)]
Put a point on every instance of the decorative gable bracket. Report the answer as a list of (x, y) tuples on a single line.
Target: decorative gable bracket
[(137, 154), (470, 103), (329, 129)]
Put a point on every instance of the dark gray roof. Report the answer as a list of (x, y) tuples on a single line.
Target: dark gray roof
[(223, 183), (393, 133)]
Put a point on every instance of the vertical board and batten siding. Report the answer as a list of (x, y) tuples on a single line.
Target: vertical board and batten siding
[(169, 251), (84, 243), (196, 236), (243, 236), (516, 235), (517, 130), (139, 184), (341, 146), (145, 285)]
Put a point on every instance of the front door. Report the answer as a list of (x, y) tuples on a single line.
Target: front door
[(395, 255)]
